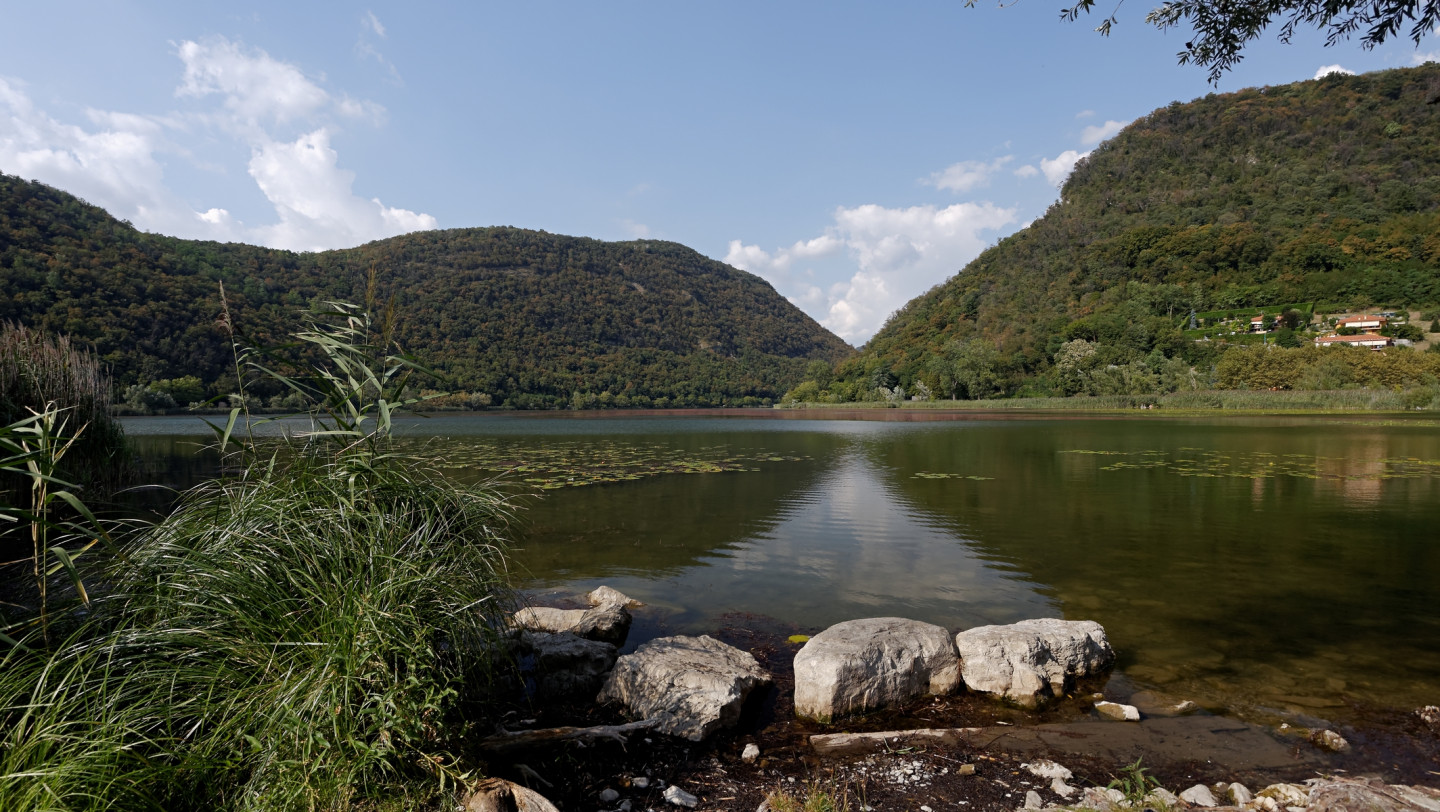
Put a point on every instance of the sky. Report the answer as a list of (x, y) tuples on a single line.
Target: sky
[(853, 154)]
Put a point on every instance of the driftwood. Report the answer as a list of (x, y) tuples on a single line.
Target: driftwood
[(506, 741), (834, 744)]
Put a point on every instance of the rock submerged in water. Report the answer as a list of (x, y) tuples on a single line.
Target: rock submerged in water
[(1117, 712), (871, 663), (605, 596), (1032, 660), (694, 686)]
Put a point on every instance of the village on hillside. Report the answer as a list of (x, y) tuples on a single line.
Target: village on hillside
[(1291, 325)]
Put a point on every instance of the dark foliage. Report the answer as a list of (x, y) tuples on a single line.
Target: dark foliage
[(529, 319), (1321, 191)]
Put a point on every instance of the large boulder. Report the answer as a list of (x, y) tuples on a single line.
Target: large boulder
[(561, 666), (609, 623), (1032, 660), (861, 665), (694, 686)]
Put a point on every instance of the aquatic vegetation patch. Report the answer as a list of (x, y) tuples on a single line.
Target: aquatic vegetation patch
[(595, 462), (942, 475), (1263, 465)]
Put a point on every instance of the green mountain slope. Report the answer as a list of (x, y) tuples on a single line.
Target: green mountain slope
[(526, 318), (1323, 191)]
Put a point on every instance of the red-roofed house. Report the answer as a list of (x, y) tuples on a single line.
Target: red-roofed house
[(1371, 340)]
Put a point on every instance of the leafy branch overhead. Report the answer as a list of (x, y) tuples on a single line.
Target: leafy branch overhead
[(1223, 30)]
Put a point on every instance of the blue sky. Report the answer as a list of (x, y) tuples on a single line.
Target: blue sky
[(854, 154)]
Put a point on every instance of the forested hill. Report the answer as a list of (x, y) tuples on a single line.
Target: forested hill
[(513, 317), (1324, 191)]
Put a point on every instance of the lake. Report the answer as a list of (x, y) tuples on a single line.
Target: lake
[(1264, 567)]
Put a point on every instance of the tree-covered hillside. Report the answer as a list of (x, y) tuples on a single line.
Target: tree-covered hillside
[(1323, 192), (513, 317)]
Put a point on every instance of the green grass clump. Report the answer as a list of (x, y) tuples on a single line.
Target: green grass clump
[(314, 632)]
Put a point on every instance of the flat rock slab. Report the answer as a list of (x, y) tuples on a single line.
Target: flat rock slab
[(862, 665), (691, 686), (1232, 744), (1033, 660), (609, 623), (839, 744)]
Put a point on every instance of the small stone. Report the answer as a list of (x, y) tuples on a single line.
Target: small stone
[(1184, 708), (1239, 794), (1059, 787), (1430, 715), (626, 806), (640, 782), (1264, 804), (1199, 795), (924, 808), (680, 797), (1286, 794), (1118, 712), (1330, 740), (605, 596), (1033, 800), (965, 769), (1044, 768), (1162, 798), (750, 753), (609, 796)]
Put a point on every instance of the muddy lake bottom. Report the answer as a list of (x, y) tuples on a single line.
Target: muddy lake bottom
[(1394, 746)]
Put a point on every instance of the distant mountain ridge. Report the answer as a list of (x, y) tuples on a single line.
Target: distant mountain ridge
[(1322, 191), (526, 318)]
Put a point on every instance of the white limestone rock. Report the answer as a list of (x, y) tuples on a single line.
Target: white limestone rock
[(1199, 795), (680, 797), (609, 624), (1030, 661), (1162, 798), (1330, 740), (1059, 787), (1045, 768), (1239, 794), (750, 753), (1286, 794), (861, 665), (694, 686), (1118, 712), (605, 596), (1033, 800)]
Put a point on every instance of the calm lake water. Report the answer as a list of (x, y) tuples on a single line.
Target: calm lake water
[(1261, 567)]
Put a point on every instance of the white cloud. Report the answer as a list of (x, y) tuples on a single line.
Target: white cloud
[(898, 253), (1329, 69), (372, 22), (966, 175), (1422, 58), (114, 160), (255, 86), (638, 231), (1085, 114), (312, 195), (1026, 171), (1057, 169), (1096, 133)]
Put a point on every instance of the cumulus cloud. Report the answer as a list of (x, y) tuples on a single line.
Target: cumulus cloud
[(1057, 169), (1026, 171), (897, 253), (966, 175), (1329, 69), (1096, 133), (255, 87), (312, 195), (268, 110), (1422, 58)]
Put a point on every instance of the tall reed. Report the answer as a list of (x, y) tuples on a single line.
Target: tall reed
[(308, 634), (37, 369)]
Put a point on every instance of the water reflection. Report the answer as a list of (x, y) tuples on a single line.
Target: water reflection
[(1280, 563)]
